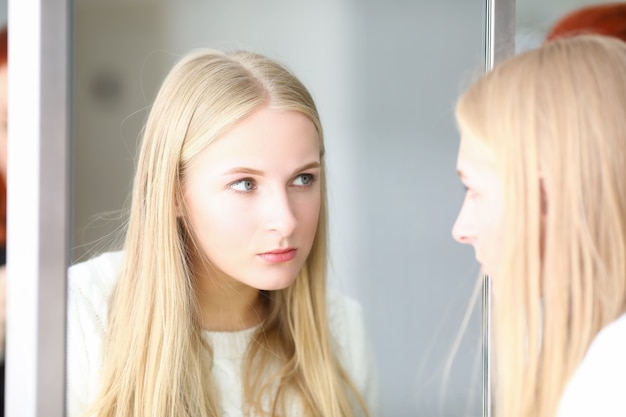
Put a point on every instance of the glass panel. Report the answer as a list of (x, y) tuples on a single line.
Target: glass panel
[(385, 76)]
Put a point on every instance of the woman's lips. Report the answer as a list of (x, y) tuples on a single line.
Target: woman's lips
[(278, 255)]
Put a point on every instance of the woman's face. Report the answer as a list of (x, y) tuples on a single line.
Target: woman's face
[(479, 222), (253, 198)]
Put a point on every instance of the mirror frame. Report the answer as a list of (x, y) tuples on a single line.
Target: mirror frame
[(499, 45), (38, 209)]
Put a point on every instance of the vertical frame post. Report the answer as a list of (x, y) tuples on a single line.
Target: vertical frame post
[(38, 209), (499, 45), (499, 31)]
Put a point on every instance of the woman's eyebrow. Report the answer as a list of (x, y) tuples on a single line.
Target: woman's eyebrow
[(257, 172), (244, 170), (310, 165)]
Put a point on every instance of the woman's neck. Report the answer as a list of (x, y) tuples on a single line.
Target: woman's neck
[(227, 305)]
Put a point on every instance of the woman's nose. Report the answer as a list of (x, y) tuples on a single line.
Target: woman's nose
[(462, 230), (281, 216)]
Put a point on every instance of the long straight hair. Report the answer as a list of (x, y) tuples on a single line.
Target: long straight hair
[(156, 362), (556, 120)]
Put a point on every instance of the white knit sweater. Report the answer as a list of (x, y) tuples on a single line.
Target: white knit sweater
[(598, 387), (90, 285)]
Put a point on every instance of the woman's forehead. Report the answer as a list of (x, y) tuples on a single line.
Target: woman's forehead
[(474, 155)]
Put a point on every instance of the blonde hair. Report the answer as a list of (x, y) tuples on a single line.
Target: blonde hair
[(556, 120), (156, 362)]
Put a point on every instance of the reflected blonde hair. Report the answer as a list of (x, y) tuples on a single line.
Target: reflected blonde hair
[(156, 362), (556, 120)]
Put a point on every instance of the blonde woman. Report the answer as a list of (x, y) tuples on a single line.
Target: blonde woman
[(218, 305), (543, 157)]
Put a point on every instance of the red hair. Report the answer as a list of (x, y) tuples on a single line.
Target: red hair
[(604, 19), (4, 46), (4, 59)]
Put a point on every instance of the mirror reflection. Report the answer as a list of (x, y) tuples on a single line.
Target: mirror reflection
[(384, 77)]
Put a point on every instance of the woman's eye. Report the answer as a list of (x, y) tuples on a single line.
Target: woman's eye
[(243, 185), (303, 179), (470, 192)]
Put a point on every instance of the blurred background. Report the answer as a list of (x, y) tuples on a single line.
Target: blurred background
[(385, 76)]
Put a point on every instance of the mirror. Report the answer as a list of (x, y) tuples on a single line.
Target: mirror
[(385, 76)]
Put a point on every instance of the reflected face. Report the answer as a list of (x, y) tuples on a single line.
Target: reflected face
[(479, 222), (253, 199)]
